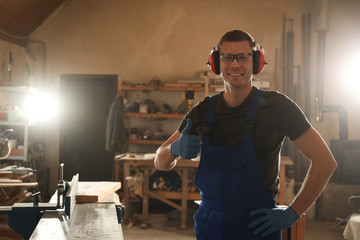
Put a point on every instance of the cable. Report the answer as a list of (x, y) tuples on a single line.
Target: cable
[(13, 36)]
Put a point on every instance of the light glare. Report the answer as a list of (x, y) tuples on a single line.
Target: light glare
[(41, 107), (352, 77)]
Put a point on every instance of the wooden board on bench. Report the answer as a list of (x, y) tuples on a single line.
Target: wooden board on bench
[(97, 192)]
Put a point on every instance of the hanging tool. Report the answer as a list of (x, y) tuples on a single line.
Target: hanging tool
[(11, 61), (189, 96)]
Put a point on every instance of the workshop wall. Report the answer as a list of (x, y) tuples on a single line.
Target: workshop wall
[(139, 39)]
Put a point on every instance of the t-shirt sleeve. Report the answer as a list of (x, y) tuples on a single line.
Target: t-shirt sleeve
[(293, 120), (183, 122)]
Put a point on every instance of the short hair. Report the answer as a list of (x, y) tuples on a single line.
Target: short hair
[(236, 36)]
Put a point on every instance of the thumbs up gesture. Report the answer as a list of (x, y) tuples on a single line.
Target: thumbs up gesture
[(187, 146)]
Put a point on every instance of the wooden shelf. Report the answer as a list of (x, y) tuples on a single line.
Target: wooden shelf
[(17, 152), (212, 88), (164, 89), (148, 142), (16, 123), (153, 115)]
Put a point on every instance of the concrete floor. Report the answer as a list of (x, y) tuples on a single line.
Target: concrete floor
[(166, 226)]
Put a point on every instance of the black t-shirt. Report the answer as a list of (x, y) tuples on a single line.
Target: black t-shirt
[(277, 117)]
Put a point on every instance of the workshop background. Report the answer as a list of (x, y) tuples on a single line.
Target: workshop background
[(141, 40)]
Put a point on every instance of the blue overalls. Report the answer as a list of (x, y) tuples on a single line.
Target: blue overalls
[(230, 184)]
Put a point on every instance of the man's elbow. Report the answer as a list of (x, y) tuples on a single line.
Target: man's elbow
[(158, 165), (163, 166)]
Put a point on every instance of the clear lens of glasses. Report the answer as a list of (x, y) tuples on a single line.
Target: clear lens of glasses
[(241, 57)]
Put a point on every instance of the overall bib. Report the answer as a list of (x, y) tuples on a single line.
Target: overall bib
[(230, 184)]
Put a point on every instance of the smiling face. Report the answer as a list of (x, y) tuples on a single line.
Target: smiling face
[(235, 74)]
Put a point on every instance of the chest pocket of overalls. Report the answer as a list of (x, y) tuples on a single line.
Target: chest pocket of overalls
[(224, 158)]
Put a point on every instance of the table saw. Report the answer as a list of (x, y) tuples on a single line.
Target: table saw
[(78, 210)]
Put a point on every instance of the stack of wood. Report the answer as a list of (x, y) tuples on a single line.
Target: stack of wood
[(16, 186)]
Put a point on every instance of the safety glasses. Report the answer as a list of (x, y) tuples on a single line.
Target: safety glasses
[(241, 57)]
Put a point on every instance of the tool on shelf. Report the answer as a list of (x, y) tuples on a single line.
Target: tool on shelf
[(189, 96), (5, 148)]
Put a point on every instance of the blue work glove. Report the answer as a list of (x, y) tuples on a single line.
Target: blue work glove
[(272, 220), (187, 146)]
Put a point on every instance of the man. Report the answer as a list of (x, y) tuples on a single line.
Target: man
[(240, 133)]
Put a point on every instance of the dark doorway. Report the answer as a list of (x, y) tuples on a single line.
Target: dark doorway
[(86, 100)]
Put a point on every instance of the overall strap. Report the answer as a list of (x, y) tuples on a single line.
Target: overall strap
[(250, 117), (210, 113)]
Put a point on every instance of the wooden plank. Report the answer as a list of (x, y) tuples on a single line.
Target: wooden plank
[(182, 85), (97, 192), (152, 194), (26, 176), (154, 115), (6, 174), (31, 184), (178, 195), (7, 180)]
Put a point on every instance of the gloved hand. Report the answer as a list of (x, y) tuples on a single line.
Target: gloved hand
[(272, 220), (187, 146)]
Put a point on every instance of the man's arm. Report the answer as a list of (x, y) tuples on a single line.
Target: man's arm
[(322, 167), (164, 160)]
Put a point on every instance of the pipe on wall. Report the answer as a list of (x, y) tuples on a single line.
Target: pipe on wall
[(306, 51), (44, 55), (319, 85), (322, 28)]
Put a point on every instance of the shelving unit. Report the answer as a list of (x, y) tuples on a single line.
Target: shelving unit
[(173, 88), (177, 89), (150, 116), (15, 92), (18, 154)]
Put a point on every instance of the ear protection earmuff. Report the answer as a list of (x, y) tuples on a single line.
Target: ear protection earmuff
[(214, 61), (258, 60)]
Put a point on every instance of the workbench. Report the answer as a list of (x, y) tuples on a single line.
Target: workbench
[(147, 163), (90, 221), (285, 161)]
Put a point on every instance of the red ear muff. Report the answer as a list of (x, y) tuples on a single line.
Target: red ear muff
[(258, 61), (214, 61)]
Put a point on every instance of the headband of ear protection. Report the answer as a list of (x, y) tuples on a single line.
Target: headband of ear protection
[(258, 60)]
